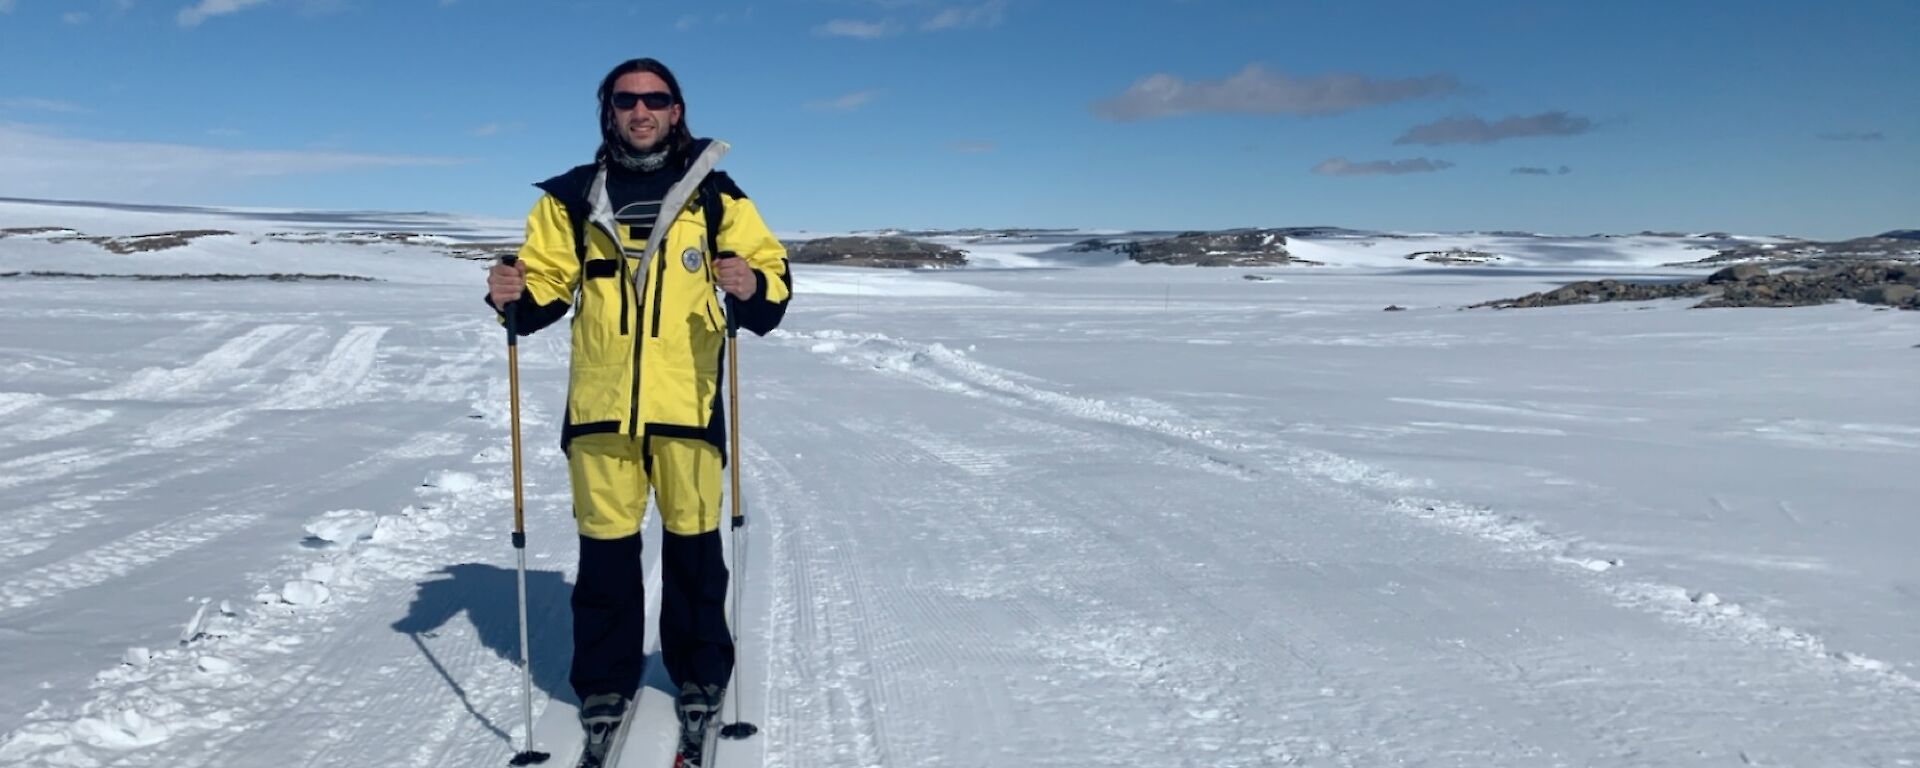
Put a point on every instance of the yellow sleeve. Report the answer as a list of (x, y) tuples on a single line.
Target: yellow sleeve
[(744, 233), (553, 269)]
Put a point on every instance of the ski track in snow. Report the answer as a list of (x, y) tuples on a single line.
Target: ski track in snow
[(942, 368)]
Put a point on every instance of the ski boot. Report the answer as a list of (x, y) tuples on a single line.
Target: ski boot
[(600, 717), (699, 710)]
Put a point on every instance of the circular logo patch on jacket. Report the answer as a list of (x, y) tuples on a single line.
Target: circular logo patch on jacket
[(690, 258)]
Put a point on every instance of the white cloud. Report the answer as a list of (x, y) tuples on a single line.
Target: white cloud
[(847, 103), (6, 6), (41, 105), (1339, 166), (74, 17), (207, 9), (1257, 91), (35, 163), (686, 22), (864, 30), (988, 14)]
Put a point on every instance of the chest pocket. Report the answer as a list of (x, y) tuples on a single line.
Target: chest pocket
[(682, 287)]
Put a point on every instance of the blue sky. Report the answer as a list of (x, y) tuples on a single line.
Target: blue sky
[(1759, 116)]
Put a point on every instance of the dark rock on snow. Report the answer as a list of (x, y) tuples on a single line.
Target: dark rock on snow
[(875, 251), (1888, 283)]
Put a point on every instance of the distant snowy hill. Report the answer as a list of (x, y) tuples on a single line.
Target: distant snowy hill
[(238, 231)]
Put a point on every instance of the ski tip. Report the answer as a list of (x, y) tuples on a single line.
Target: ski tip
[(529, 757), (739, 731)]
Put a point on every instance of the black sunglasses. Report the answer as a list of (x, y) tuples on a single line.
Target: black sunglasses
[(624, 100)]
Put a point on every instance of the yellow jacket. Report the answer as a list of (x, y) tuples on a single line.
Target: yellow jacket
[(649, 333)]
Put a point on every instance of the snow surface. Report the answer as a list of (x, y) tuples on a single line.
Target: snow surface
[(1041, 511)]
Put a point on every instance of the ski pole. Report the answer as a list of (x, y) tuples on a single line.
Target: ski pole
[(527, 756), (735, 729)]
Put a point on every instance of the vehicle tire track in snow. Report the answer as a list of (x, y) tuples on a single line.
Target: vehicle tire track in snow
[(78, 505), (333, 382), (220, 368), (43, 466), (946, 369), (982, 553), (453, 376), (338, 378), (40, 421), (883, 353), (189, 530), (1519, 674), (119, 558)]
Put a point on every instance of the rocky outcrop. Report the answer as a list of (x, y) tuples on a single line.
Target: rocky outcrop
[(1808, 253), (1454, 256), (1888, 283), (886, 252), (158, 241), (1228, 248)]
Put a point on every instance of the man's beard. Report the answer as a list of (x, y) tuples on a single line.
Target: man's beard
[(632, 158)]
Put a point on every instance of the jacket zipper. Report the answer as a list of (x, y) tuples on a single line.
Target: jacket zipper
[(659, 286), (633, 396)]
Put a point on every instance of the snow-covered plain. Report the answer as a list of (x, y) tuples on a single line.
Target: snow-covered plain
[(1051, 510)]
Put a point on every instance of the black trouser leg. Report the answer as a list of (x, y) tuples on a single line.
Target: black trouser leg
[(694, 639), (609, 618)]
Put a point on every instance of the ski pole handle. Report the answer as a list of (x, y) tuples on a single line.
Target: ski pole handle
[(733, 304), (733, 401), (513, 326)]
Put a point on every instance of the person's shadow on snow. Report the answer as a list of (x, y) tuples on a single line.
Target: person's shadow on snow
[(487, 595)]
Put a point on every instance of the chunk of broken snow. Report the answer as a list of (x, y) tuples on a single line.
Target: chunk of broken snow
[(454, 482), (305, 593), (343, 526), (319, 572), (1862, 662), (137, 657), (214, 665), (126, 729)]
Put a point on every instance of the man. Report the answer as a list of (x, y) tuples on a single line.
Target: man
[(624, 243)]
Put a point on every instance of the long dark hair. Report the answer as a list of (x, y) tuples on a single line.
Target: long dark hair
[(679, 137)]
